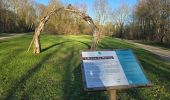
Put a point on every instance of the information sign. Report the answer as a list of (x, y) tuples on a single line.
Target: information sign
[(115, 69)]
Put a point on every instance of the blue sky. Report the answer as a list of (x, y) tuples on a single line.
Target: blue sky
[(112, 3)]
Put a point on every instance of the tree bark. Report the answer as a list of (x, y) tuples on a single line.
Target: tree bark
[(37, 48), (162, 38)]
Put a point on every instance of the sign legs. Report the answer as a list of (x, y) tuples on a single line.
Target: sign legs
[(112, 94)]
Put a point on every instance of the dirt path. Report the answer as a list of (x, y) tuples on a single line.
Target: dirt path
[(10, 36), (165, 54)]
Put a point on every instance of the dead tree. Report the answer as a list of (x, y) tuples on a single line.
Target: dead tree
[(36, 39)]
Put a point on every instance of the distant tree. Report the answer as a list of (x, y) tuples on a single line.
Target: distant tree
[(17, 15), (101, 9), (152, 19), (1, 25), (108, 29), (120, 17)]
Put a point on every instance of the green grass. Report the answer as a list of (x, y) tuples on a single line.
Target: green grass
[(56, 73)]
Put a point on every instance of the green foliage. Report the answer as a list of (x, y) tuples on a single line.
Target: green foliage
[(56, 73)]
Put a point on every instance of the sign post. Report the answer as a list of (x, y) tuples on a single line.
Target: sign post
[(112, 70), (112, 94)]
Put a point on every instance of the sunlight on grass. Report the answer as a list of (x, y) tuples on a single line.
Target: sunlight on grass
[(56, 73)]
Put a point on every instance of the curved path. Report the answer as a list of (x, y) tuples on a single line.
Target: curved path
[(165, 54), (5, 36)]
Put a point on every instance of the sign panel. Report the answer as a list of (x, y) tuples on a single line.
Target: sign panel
[(118, 68)]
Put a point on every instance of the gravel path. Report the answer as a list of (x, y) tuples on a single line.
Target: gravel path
[(10, 36), (165, 54)]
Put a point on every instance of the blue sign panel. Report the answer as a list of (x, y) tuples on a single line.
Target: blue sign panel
[(131, 67)]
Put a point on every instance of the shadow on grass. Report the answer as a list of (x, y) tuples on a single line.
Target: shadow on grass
[(86, 44), (72, 76), (3, 41), (70, 87), (45, 49), (22, 81), (161, 74), (73, 84)]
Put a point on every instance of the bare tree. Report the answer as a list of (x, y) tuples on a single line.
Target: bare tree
[(120, 17), (17, 15), (101, 8), (152, 19)]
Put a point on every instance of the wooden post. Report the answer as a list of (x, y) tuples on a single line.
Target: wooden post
[(112, 94)]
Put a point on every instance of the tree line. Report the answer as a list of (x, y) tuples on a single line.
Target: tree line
[(17, 15), (147, 20), (151, 21), (24, 15)]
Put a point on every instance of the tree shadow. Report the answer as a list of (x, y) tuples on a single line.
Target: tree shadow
[(75, 91), (22, 81), (161, 74), (86, 44), (3, 41), (47, 48), (73, 83)]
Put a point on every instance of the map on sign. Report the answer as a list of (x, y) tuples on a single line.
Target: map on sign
[(116, 68)]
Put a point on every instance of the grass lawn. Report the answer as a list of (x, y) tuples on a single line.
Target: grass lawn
[(56, 73)]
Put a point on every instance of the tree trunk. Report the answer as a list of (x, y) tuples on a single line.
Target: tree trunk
[(37, 48), (95, 40), (36, 40), (162, 38)]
